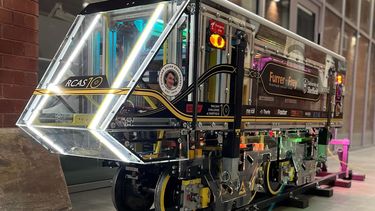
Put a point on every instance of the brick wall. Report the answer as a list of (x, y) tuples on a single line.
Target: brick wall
[(18, 57)]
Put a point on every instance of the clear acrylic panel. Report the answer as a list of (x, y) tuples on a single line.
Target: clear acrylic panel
[(101, 51), (101, 59), (113, 44), (82, 143)]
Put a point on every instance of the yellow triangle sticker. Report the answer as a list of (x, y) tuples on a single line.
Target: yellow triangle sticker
[(243, 189)]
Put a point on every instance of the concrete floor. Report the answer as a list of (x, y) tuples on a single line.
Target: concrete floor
[(361, 196)]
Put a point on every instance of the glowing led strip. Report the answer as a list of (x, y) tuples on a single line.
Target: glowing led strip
[(47, 140), (77, 49), (53, 86), (126, 67), (110, 146), (137, 47)]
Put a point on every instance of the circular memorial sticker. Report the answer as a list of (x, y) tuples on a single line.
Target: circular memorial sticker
[(171, 80), (225, 110)]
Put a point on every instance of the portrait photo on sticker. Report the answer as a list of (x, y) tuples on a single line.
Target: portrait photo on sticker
[(171, 80)]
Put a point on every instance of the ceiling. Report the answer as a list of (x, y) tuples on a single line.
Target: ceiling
[(70, 6)]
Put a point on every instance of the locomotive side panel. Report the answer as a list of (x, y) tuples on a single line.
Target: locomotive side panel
[(293, 83)]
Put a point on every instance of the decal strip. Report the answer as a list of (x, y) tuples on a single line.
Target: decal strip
[(180, 115)]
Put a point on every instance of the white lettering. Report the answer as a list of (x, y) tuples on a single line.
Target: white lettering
[(68, 83), (282, 112)]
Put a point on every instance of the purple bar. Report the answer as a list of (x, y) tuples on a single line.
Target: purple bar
[(344, 141), (345, 151)]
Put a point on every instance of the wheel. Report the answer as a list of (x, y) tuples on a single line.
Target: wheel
[(127, 196), (272, 183), (167, 193)]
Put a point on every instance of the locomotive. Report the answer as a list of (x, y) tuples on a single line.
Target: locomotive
[(201, 104)]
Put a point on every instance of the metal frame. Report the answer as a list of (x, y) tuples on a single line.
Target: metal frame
[(139, 73)]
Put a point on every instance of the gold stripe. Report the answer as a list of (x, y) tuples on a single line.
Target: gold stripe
[(81, 92), (177, 113), (162, 194)]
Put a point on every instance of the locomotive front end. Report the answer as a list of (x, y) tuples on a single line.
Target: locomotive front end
[(85, 95)]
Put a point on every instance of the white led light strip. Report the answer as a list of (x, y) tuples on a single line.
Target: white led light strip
[(110, 146), (76, 50), (53, 86), (137, 47), (126, 67), (47, 140)]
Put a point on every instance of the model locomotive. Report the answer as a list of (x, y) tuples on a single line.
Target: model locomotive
[(202, 105)]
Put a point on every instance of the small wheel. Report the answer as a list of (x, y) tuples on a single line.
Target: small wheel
[(272, 183), (167, 193), (126, 196)]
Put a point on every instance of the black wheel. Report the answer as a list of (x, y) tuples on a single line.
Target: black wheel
[(272, 183), (127, 196), (167, 193)]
